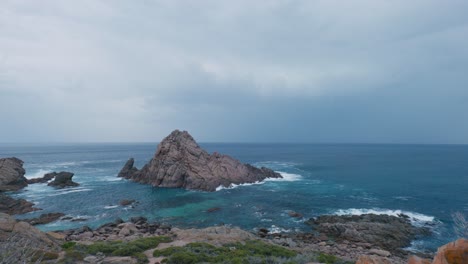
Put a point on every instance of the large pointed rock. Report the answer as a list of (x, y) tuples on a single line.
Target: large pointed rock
[(12, 175), (179, 162)]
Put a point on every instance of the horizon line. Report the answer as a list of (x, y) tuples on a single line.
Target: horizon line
[(226, 142)]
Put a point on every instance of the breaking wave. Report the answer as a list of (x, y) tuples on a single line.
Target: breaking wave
[(416, 219)]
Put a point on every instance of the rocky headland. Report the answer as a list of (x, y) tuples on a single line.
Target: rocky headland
[(180, 162)]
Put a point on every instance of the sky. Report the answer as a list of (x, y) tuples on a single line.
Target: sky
[(374, 71)]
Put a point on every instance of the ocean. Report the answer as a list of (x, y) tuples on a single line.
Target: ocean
[(426, 182)]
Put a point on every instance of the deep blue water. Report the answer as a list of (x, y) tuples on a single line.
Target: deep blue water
[(428, 182)]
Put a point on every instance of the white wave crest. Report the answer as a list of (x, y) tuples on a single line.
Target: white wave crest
[(233, 186), (70, 191), (38, 174), (416, 219), (110, 206), (276, 229), (286, 177)]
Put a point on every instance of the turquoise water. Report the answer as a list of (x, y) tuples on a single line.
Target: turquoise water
[(427, 182)]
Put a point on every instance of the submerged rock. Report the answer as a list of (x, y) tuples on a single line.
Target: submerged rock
[(179, 162), (384, 231), (12, 174), (63, 179)]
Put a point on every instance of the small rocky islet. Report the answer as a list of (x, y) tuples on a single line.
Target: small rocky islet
[(179, 162)]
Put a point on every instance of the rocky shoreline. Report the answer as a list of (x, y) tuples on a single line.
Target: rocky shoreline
[(346, 239), (138, 228)]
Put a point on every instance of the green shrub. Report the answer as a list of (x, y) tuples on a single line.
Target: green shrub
[(328, 259), (231, 253), (69, 244)]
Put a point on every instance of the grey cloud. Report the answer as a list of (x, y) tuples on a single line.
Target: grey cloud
[(304, 71)]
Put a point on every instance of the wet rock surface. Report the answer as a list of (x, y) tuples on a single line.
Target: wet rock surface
[(47, 177), (384, 231), (13, 206), (62, 180), (179, 162)]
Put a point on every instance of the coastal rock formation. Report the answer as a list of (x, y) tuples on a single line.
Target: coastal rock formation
[(44, 218), (13, 206), (179, 162), (16, 238), (12, 175), (47, 177), (63, 179), (452, 253), (384, 231)]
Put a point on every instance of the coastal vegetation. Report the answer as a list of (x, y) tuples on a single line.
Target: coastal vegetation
[(135, 248), (252, 251)]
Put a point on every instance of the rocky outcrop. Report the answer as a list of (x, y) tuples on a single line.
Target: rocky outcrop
[(63, 179), (12, 175), (44, 218), (19, 240), (383, 231), (47, 177), (452, 253), (119, 230), (13, 206), (179, 162)]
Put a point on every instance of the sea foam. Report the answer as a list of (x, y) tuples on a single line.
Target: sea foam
[(286, 177), (416, 219)]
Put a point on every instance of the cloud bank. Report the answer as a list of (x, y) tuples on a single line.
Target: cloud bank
[(235, 71)]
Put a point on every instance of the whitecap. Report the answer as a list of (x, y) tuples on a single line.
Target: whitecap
[(416, 219), (276, 229), (233, 186), (70, 191), (110, 206), (286, 177), (38, 174)]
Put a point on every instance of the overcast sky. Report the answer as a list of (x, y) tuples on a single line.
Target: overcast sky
[(234, 71)]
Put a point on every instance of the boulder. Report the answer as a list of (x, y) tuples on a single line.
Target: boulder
[(47, 177), (12, 175), (126, 202), (63, 179), (17, 234), (13, 206), (384, 231), (294, 214), (452, 253), (179, 162)]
